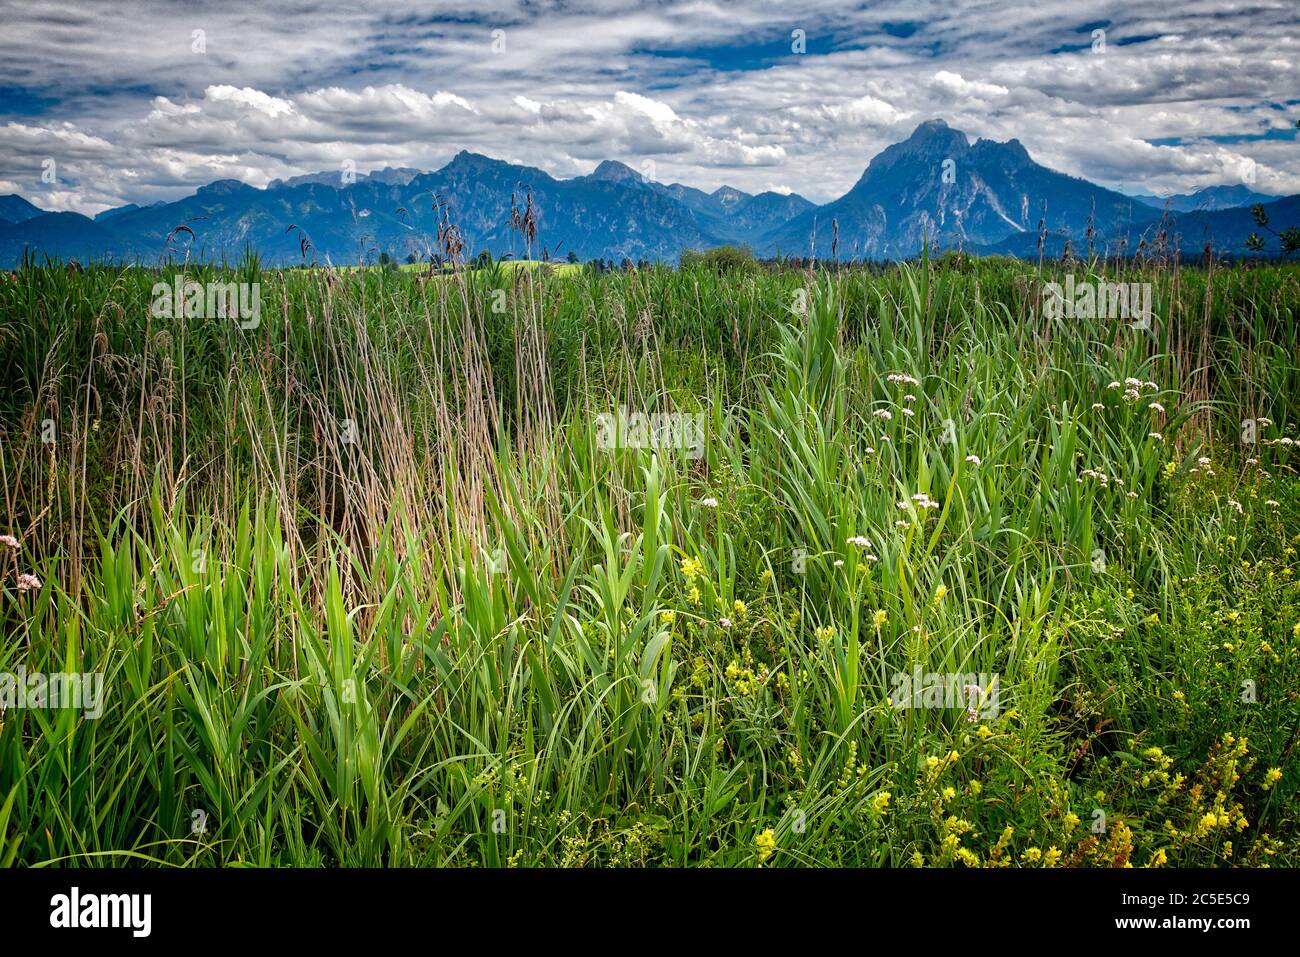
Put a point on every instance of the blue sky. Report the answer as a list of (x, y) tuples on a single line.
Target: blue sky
[(137, 101)]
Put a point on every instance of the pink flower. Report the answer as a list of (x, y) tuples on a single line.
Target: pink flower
[(8, 540), (28, 582)]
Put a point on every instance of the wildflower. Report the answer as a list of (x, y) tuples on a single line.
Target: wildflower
[(949, 793), (883, 414), (880, 803), (1071, 821), (1158, 859), (1156, 407), (940, 592), (1032, 855), (1273, 503), (1114, 385), (901, 378), (28, 583), (709, 502), (692, 567), (860, 541), (724, 622), (1051, 857), (1155, 435), (667, 617), (984, 732), (900, 524), (908, 412), (909, 398), (973, 460), (695, 595), (880, 618), (825, 633), (839, 563), (920, 500), (8, 540), (739, 608), (1098, 407), (765, 844), (1271, 778)]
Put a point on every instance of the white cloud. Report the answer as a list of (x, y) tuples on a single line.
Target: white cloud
[(281, 90)]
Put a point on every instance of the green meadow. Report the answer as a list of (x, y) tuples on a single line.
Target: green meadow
[(661, 567)]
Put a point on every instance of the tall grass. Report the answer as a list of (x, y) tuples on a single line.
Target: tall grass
[(366, 589)]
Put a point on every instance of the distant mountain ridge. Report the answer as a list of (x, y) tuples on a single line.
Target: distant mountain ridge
[(15, 209), (1209, 199), (935, 187)]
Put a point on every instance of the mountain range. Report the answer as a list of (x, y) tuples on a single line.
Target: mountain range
[(935, 187)]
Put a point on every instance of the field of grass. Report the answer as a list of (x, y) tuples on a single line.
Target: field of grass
[(366, 585)]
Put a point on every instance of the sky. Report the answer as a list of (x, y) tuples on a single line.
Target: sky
[(107, 103)]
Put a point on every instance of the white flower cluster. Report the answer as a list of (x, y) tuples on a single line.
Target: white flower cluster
[(1132, 388), (920, 500)]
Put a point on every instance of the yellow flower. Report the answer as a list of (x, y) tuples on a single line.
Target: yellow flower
[(1051, 857), (939, 593), (880, 618), (825, 633), (692, 567), (739, 607), (667, 617), (949, 793), (1071, 821), (1158, 859), (983, 732), (1032, 855), (765, 844), (1271, 777), (695, 595), (880, 803)]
